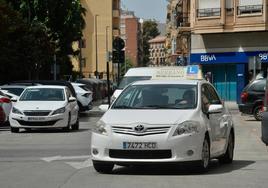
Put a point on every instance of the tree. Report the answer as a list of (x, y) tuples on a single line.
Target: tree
[(25, 51), (124, 67), (150, 31), (63, 21)]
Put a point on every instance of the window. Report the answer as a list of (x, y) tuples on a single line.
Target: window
[(258, 86), (209, 96)]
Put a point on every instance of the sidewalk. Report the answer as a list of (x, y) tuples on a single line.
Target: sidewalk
[(231, 105)]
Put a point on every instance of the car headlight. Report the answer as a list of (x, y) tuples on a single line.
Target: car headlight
[(16, 111), (100, 128), (59, 111), (187, 127)]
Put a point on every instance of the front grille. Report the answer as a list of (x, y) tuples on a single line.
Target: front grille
[(37, 123), (37, 113), (140, 154), (147, 131)]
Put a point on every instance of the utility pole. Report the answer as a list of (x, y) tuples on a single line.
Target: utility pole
[(96, 44), (107, 66)]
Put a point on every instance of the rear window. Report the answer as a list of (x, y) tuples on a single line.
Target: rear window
[(130, 79), (15, 91), (258, 86), (84, 88)]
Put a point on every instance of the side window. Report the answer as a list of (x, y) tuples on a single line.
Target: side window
[(258, 86), (213, 96), (205, 99), (68, 93)]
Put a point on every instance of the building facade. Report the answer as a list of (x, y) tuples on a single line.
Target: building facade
[(178, 32), (102, 26), (157, 51), (130, 28), (228, 36)]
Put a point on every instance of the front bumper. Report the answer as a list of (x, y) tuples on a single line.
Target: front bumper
[(55, 121), (183, 148)]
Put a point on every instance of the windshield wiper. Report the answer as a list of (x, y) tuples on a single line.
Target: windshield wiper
[(157, 107), (122, 107)]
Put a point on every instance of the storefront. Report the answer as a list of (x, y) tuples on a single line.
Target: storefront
[(229, 71)]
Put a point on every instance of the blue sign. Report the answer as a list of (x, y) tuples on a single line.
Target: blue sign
[(193, 69), (227, 57)]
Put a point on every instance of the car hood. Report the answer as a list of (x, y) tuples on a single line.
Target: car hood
[(155, 117), (39, 105)]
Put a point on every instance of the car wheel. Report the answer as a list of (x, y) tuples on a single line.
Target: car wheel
[(76, 125), (14, 129), (227, 158), (103, 168), (258, 113), (67, 128), (204, 163)]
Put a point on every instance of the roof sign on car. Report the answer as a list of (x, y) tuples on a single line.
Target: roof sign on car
[(178, 73)]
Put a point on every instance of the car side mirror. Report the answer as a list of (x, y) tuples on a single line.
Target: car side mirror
[(104, 107), (72, 99), (215, 108), (14, 99)]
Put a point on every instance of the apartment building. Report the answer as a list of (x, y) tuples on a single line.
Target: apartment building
[(227, 37), (157, 51), (178, 32), (102, 26), (131, 33)]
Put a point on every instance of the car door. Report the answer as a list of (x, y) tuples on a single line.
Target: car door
[(215, 120)]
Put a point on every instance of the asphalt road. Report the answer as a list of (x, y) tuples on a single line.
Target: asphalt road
[(56, 159)]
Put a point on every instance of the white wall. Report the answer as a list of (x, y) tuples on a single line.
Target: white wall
[(250, 2), (203, 4)]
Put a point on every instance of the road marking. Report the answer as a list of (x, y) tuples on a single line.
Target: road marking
[(61, 158), (80, 165)]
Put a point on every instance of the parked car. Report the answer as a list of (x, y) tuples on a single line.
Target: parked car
[(94, 85), (13, 88), (84, 97), (5, 107), (252, 98), (46, 106), (164, 121)]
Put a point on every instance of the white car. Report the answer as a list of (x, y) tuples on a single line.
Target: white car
[(44, 107), (5, 105), (164, 121), (84, 97)]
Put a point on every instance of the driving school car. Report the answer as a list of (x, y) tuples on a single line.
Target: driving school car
[(164, 121)]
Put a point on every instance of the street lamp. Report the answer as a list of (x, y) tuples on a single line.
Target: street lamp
[(96, 45)]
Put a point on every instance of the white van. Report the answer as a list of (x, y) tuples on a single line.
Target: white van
[(133, 75), (148, 73)]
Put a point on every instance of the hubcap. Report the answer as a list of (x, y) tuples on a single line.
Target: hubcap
[(205, 154), (259, 113)]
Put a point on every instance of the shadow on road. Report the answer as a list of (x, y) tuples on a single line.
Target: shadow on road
[(52, 131), (215, 168)]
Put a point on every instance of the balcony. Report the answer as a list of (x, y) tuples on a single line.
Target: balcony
[(237, 19), (208, 12), (116, 13)]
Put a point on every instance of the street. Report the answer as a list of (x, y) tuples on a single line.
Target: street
[(51, 159)]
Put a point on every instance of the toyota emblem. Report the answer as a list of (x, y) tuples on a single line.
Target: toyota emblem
[(139, 129)]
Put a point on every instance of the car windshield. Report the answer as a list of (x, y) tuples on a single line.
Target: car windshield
[(171, 96), (43, 94), (130, 79)]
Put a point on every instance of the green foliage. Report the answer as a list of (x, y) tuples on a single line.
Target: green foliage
[(124, 67), (36, 30), (150, 31)]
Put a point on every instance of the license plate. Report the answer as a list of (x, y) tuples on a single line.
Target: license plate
[(36, 118), (139, 145)]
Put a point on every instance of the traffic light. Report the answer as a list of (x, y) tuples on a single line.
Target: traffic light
[(119, 56)]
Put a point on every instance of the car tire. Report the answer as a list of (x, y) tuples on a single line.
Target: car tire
[(227, 158), (67, 128), (14, 129), (203, 164), (257, 112), (103, 168), (75, 126)]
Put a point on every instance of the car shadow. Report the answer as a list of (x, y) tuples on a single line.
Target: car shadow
[(215, 168), (53, 131)]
